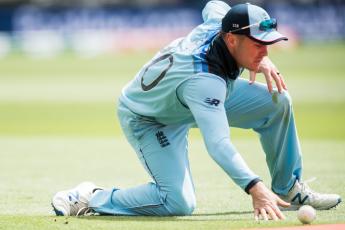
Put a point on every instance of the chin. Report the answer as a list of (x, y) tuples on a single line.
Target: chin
[(254, 68)]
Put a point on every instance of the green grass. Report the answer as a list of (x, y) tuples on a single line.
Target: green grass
[(315, 60), (34, 168), (314, 120), (70, 65), (51, 119), (71, 96), (58, 127)]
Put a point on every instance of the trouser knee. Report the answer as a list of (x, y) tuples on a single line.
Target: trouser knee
[(285, 101), (282, 109), (181, 204)]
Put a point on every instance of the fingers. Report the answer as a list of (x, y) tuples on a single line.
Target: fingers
[(271, 213), (252, 76), (277, 211), (279, 214), (269, 81), (263, 214), (271, 73), (282, 81), (277, 80), (266, 203), (268, 213), (282, 203)]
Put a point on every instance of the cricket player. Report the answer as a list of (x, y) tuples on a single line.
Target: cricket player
[(194, 82)]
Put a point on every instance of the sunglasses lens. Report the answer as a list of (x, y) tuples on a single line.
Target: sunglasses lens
[(268, 24)]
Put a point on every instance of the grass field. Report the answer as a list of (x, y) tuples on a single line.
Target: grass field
[(58, 128)]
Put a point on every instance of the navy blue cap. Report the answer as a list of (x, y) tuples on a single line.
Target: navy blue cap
[(249, 17)]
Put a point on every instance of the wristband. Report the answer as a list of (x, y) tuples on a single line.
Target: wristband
[(251, 184)]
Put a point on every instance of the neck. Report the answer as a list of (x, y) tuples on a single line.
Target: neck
[(221, 61), (229, 42)]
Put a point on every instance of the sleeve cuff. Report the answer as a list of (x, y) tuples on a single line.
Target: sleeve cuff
[(251, 184)]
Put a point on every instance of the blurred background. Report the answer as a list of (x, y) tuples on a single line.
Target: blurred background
[(63, 63), (46, 28)]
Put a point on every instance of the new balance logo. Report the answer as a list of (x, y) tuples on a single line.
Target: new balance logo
[(73, 197), (210, 101), (299, 197), (162, 139)]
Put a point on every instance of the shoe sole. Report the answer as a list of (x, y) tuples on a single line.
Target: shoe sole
[(57, 211), (296, 207)]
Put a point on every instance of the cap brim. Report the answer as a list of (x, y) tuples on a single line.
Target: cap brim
[(268, 38)]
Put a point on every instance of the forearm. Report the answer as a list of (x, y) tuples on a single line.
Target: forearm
[(211, 118), (228, 158)]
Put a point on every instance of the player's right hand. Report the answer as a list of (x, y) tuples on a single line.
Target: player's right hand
[(265, 203), (271, 74)]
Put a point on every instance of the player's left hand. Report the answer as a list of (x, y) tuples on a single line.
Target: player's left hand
[(271, 74), (265, 203)]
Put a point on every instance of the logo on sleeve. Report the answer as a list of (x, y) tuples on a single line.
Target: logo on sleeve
[(212, 101)]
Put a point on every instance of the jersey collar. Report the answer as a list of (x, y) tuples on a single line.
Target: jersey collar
[(220, 61)]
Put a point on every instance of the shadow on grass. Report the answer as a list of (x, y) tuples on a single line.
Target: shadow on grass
[(231, 216), (222, 213)]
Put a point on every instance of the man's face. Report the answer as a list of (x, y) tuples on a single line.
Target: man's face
[(246, 52)]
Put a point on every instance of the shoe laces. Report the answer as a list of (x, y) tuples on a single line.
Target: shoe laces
[(85, 211), (306, 189), (77, 207)]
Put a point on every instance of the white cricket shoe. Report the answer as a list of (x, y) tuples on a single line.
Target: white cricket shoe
[(300, 194), (73, 202)]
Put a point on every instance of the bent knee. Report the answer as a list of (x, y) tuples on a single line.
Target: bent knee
[(282, 101), (184, 208), (181, 204), (285, 99)]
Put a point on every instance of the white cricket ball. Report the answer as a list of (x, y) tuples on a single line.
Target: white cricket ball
[(306, 214)]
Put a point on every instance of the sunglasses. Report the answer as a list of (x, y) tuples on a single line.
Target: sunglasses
[(264, 25)]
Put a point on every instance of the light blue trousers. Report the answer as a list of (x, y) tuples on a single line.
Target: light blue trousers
[(172, 189)]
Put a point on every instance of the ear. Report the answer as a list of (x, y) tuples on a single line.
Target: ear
[(230, 40)]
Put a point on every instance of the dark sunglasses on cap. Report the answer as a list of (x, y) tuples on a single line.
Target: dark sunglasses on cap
[(264, 25)]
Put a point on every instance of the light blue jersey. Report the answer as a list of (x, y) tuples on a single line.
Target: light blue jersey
[(153, 92), (178, 87), (191, 82)]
